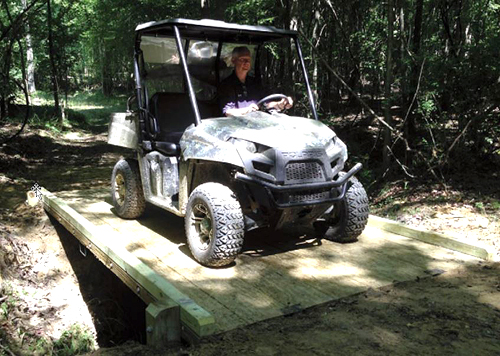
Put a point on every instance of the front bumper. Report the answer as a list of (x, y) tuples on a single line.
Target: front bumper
[(283, 195)]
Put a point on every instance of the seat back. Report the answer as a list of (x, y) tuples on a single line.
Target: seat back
[(174, 113)]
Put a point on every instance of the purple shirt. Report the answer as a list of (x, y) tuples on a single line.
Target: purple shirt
[(234, 94)]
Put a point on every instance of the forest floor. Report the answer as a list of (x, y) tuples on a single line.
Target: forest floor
[(52, 300)]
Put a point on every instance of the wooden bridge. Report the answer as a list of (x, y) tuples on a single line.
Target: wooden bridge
[(278, 272)]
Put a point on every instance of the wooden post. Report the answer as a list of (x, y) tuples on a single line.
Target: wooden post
[(163, 324)]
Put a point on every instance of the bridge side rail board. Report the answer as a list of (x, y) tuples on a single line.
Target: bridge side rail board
[(431, 237), (140, 278)]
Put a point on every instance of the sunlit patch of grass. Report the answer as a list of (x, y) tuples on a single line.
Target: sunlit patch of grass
[(49, 124), (84, 109), (9, 298), (17, 339), (74, 341), (95, 100), (41, 98)]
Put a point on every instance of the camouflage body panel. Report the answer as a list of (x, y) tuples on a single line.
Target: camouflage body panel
[(210, 139)]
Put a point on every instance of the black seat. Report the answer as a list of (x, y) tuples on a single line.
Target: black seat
[(174, 114)]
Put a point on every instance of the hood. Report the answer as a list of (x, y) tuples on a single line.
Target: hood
[(210, 139), (276, 130)]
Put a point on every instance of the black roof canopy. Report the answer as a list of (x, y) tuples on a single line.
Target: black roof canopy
[(213, 30)]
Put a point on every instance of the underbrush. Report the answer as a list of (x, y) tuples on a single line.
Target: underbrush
[(20, 333), (86, 110)]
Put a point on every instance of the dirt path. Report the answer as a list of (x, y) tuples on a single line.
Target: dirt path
[(455, 313), (47, 286)]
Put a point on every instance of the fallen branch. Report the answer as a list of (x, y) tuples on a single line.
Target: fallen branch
[(408, 148), (455, 142), (7, 350), (416, 92), (379, 118), (403, 167)]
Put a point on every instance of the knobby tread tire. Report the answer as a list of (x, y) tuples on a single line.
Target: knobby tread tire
[(227, 224), (349, 218), (134, 203), (357, 211)]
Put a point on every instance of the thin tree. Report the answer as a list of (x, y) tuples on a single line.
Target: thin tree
[(30, 70), (410, 127), (388, 84), (55, 86), (205, 9)]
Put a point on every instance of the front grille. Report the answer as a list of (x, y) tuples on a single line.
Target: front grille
[(305, 197), (303, 172)]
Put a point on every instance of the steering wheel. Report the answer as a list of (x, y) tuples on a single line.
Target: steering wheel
[(269, 98)]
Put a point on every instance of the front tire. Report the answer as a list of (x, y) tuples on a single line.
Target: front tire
[(126, 189), (349, 217), (214, 225)]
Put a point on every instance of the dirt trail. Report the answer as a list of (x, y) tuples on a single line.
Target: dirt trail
[(47, 285)]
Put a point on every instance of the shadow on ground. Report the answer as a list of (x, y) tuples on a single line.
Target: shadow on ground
[(118, 314)]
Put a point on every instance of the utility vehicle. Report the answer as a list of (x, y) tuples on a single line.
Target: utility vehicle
[(227, 175)]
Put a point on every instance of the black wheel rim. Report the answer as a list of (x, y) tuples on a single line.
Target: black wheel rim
[(201, 220)]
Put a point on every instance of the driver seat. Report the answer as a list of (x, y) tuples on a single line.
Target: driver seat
[(173, 113)]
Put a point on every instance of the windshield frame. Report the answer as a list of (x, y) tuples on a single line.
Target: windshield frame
[(254, 35)]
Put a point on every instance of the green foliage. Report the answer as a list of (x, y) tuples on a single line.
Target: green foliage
[(456, 49), (9, 303), (5, 309), (427, 107), (74, 341), (42, 122), (252, 12)]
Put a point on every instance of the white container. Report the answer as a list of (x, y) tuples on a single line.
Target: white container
[(123, 130)]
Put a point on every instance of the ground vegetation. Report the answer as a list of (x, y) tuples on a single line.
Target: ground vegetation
[(410, 85)]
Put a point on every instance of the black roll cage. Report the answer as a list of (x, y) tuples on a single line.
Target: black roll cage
[(216, 31)]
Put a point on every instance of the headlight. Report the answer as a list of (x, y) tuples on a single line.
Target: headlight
[(244, 144), (330, 147), (336, 146), (344, 154)]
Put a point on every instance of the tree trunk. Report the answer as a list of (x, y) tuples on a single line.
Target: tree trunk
[(106, 81), (402, 50), (30, 73), (288, 15), (388, 83), (5, 94), (205, 9), (410, 128), (213, 9), (55, 86), (315, 38), (219, 9)]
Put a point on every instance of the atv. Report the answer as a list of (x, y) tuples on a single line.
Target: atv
[(226, 175)]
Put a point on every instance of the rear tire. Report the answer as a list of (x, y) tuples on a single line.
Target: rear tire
[(350, 216), (214, 225), (126, 189)]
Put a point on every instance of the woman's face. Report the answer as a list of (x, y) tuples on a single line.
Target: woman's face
[(242, 64)]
